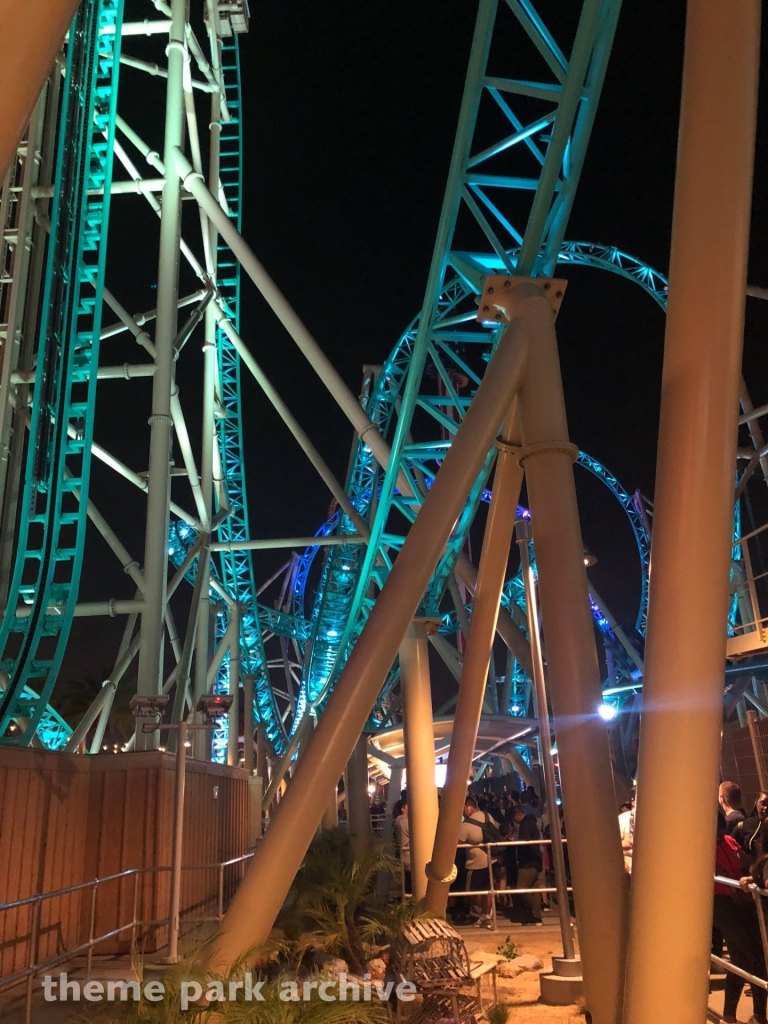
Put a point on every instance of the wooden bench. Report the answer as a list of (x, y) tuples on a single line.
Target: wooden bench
[(479, 971)]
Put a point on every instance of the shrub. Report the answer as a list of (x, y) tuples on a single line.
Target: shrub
[(336, 895), (508, 949), (497, 1013), (271, 1009)]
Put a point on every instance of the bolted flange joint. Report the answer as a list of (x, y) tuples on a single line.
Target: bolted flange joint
[(508, 447), (502, 292), (433, 877), (548, 448)]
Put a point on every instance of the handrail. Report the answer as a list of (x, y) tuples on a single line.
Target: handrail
[(38, 897), (122, 874), (733, 883), (34, 966), (757, 894)]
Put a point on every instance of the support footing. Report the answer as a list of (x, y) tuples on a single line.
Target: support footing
[(563, 985)]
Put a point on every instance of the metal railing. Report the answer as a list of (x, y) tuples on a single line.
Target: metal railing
[(493, 892), (35, 966), (758, 895)]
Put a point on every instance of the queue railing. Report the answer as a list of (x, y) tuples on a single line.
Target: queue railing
[(493, 891), (36, 966), (758, 895)]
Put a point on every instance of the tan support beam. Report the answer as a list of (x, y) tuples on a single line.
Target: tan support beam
[(248, 726), (668, 968), (490, 582), (419, 737), (261, 748), (331, 812), (522, 769), (233, 734), (253, 910), (505, 625), (31, 34), (589, 799), (358, 803)]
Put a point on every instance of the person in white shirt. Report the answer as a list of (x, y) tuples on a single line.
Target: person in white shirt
[(478, 867), (627, 831), (403, 843)]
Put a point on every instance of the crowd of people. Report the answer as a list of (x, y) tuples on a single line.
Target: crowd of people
[(488, 818), (741, 855)]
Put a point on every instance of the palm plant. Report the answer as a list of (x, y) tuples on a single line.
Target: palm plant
[(269, 1009), (337, 894), (384, 922)]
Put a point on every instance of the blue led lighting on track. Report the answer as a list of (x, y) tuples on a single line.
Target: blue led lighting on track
[(417, 402), (51, 533)]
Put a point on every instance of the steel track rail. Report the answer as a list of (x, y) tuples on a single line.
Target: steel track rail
[(51, 533), (510, 207)]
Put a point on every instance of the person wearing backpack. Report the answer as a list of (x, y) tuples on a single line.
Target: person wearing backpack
[(477, 828), (529, 865)]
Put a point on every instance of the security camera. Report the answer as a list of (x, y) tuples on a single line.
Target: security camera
[(148, 705), (214, 705)]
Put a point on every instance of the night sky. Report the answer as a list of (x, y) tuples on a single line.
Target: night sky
[(350, 110)]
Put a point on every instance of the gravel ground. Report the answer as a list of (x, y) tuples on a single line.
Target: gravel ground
[(521, 994)]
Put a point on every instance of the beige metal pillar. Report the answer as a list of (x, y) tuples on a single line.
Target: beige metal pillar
[(490, 581), (522, 769), (419, 737), (258, 900), (589, 800), (261, 751), (523, 531), (505, 625), (248, 725), (331, 812), (31, 34), (667, 968), (233, 733), (255, 784), (358, 802)]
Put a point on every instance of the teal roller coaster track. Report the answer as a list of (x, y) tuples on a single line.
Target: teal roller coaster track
[(506, 209)]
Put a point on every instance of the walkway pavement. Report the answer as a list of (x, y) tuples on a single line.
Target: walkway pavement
[(521, 994), (103, 969)]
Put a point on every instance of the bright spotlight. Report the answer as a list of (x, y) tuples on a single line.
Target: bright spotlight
[(607, 712)]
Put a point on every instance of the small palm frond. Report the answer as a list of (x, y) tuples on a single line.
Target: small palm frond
[(384, 923)]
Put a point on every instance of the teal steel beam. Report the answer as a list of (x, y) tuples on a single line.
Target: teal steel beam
[(558, 135)]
